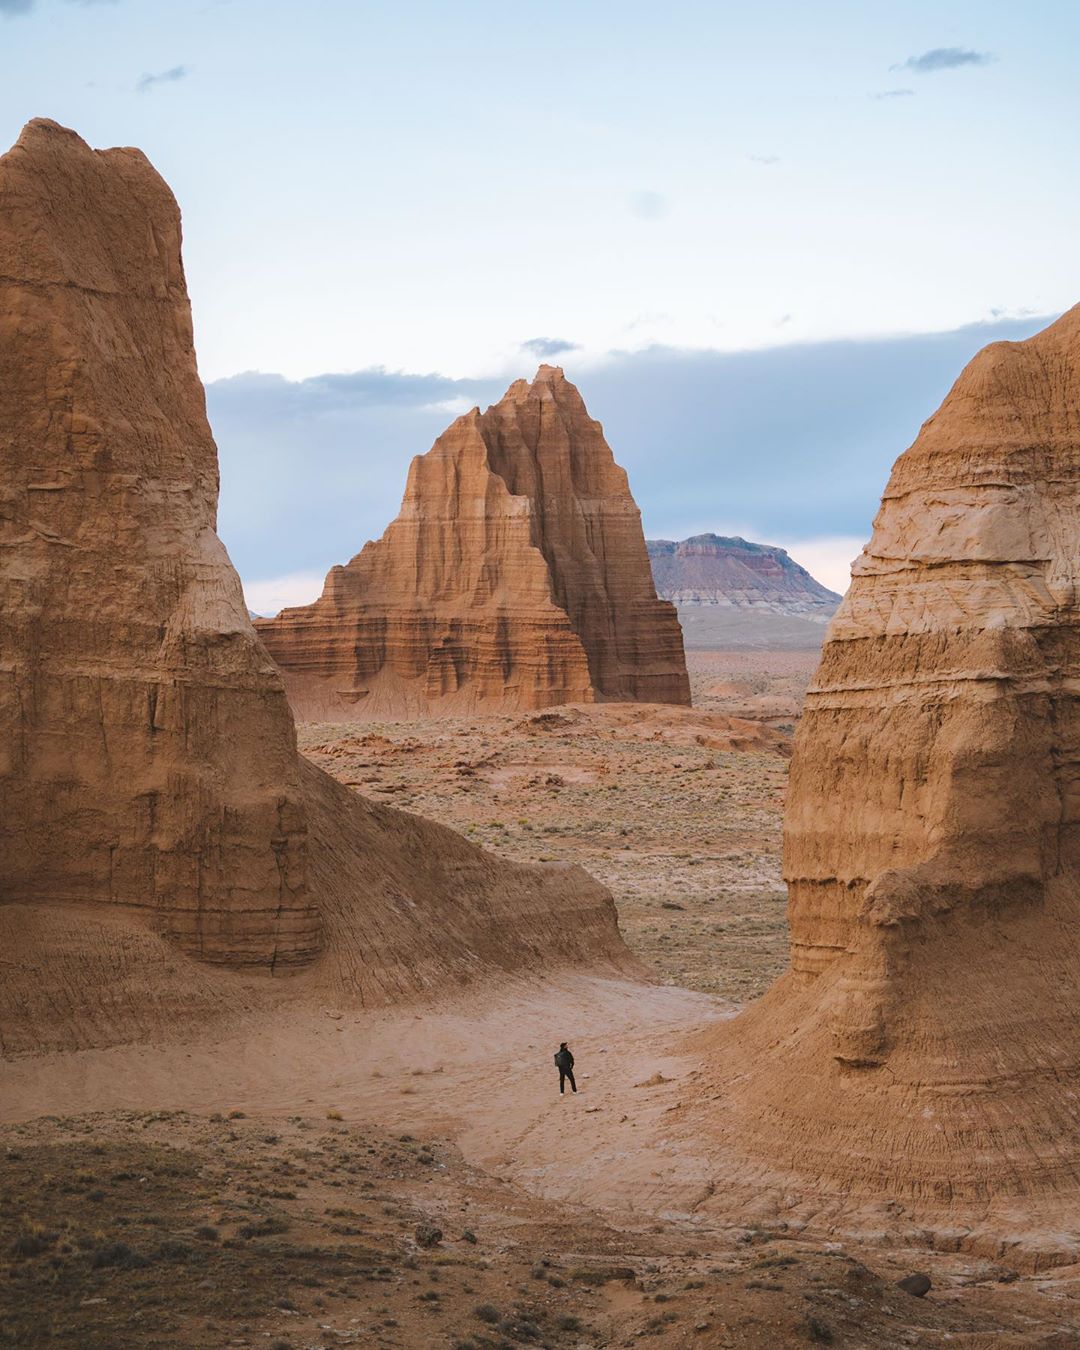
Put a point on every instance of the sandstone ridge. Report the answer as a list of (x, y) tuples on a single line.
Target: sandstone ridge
[(515, 577), (712, 569), (155, 815), (925, 1044)]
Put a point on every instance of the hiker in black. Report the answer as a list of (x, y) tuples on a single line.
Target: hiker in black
[(564, 1062)]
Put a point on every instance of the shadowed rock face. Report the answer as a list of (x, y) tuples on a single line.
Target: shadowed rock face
[(926, 1040), (148, 762), (711, 569), (515, 576)]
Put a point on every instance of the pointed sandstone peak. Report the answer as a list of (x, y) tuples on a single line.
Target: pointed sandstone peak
[(152, 758), (515, 577), (151, 794), (925, 1040)]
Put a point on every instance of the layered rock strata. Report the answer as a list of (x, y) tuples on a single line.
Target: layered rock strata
[(925, 1044), (732, 573), (515, 577), (148, 762)]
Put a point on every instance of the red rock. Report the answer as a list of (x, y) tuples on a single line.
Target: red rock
[(150, 786), (924, 1043), (514, 577)]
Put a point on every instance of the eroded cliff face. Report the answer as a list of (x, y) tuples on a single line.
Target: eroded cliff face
[(926, 1040), (149, 751), (515, 577), (154, 812)]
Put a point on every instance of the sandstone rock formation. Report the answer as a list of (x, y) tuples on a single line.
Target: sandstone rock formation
[(515, 577), (148, 762), (926, 1044), (711, 569)]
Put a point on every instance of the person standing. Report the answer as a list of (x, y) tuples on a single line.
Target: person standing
[(564, 1062)]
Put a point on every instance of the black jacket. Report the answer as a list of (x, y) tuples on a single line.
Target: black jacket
[(564, 1060)]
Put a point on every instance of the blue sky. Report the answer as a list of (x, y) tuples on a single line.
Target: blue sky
[(430, 188)]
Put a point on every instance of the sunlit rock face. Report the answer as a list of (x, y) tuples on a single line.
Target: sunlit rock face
[(926, 1040), (514, 577), (149, 753), (153, 806)]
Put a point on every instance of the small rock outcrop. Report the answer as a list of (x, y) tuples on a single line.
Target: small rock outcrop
[(515, 577), (925, 1043), (732, 573), (148, 761)]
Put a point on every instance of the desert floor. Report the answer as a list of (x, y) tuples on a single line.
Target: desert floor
[(676, 812), (412, 1177)]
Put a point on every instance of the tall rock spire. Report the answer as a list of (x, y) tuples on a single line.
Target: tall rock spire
[(150, 752), (925, 1042), (515, 576), (151, 794)]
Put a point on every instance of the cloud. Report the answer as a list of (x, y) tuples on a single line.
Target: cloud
[(649, 205), (9, 8), (944, 58), (827, 559), (313, 468), (893, 93), (786, 444), (270, 597), (323, 395), (764, 159), (542, 346), (170, 76)]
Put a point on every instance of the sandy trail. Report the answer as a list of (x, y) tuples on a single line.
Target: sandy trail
[(477, 1070)]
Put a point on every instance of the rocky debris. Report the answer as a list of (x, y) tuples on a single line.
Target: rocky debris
[(711, 569), (149, 1252), (152, 800), (515, 577), (924, 1043), (918, 1285)]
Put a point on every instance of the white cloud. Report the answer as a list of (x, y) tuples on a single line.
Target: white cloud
[(827, 559), (296, 588)]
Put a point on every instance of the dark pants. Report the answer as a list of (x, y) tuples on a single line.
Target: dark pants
[(564, 1074)]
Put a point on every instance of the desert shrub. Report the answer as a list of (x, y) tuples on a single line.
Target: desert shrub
[(817, 1332), (118, 1255), (33, 1242), (264, 1228), (171, 1250)]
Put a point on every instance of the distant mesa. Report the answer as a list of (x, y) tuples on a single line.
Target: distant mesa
[(732, 573), (925, 1044), (515, 577), (156, 820)]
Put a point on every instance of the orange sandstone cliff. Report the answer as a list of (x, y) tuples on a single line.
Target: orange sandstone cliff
[(154, 812), (925, 1044), (514, 577)]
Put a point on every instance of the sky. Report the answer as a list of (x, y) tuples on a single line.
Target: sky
[(681, 203)]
